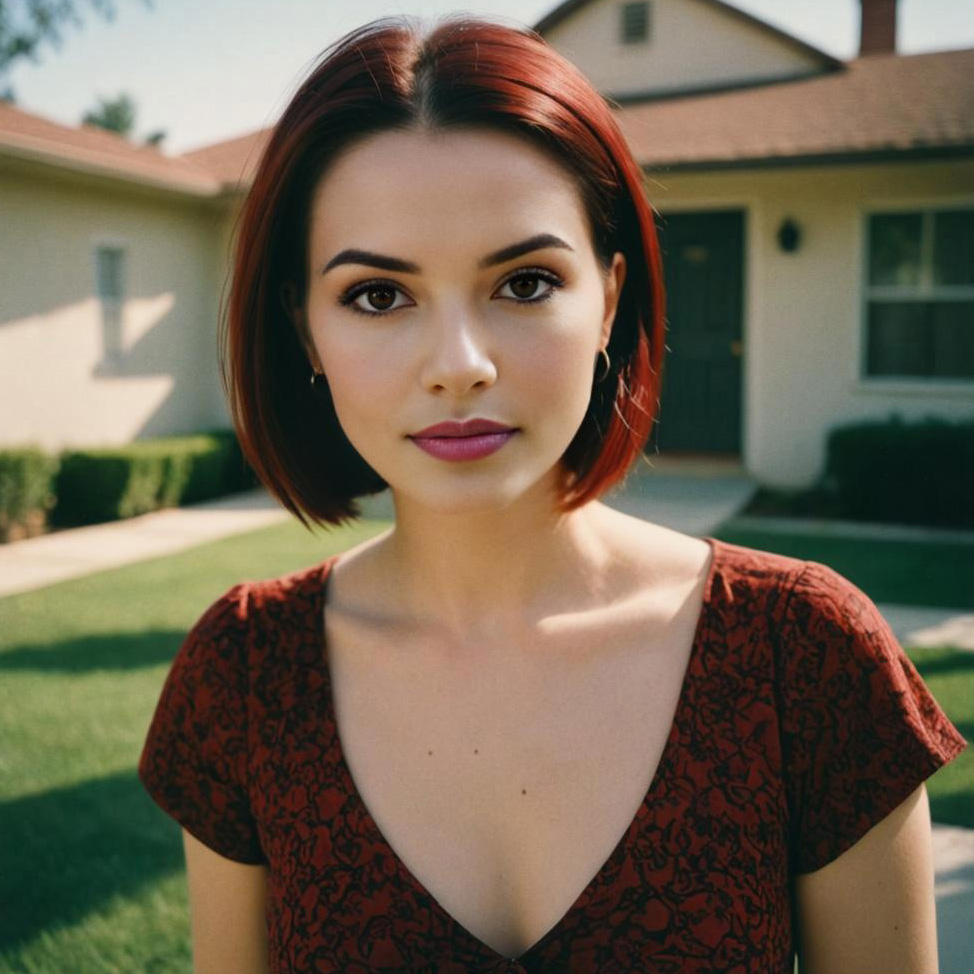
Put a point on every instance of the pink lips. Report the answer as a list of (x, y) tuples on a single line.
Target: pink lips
[(469, 440)]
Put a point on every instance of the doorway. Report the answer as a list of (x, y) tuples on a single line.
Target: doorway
[(701, 399)]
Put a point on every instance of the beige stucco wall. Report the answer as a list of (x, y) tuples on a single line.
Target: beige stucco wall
[(802, 318), (225, 226), (56, 388), (803, 312), (691, 44)]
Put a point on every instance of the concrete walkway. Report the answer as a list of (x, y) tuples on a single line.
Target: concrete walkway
[(690, 498), (36, 562)]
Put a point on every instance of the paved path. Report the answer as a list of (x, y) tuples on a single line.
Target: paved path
[(695, 501), (56, 557)]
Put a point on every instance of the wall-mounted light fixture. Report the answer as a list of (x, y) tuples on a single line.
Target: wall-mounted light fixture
[(789, 235)]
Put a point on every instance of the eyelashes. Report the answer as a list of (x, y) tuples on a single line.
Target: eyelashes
[(386, 292), (380, 296)]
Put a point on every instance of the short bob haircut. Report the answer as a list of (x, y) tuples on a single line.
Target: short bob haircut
[(466, 73)]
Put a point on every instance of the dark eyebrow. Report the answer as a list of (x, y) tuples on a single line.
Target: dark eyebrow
[(502, 256)]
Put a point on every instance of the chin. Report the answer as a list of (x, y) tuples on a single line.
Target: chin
[(477, 498)]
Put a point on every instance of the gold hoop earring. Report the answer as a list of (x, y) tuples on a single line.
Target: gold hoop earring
[(604, 358), (315, 376)]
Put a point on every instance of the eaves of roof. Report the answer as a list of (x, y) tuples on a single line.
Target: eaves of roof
[(89, 151), (878, 108), (234, 161), (938, 153)]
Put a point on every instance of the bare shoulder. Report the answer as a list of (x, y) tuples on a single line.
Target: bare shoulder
[(654, 557)]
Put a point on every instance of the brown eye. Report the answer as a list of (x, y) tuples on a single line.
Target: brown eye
[(375, 298), (381, 298), (525, 287), (529, 287)]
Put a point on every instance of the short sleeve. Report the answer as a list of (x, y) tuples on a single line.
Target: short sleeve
[(194, 763), (860, 730)]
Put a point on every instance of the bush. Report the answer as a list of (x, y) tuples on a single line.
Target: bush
[(904, 473), (219, 470), (107, 484), (26, 491)]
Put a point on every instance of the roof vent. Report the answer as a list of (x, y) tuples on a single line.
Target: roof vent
[(877, 34)]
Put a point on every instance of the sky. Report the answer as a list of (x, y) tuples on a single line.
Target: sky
[(209, 70)]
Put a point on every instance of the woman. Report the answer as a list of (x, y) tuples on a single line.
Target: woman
[(518, 731)]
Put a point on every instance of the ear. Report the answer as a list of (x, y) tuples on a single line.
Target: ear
[(291, 304), (614, 279), (295, 311)]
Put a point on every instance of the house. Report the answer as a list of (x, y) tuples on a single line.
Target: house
[(112, 259), (816, 216)]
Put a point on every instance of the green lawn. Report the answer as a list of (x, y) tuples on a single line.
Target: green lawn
[(931, 573), (91, 878)]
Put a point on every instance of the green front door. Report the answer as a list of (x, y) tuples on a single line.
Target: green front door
[(700, 407)]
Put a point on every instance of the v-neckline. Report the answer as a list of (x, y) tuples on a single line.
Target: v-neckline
[(621, 848)]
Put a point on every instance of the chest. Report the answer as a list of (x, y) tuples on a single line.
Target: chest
[(502, 781)]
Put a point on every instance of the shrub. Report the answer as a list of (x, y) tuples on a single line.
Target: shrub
[(107, 484), (220, 469), (26, 491), (905, 473)]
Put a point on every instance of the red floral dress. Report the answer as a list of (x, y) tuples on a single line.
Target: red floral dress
[(800, 725)]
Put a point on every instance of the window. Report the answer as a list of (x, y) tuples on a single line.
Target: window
[(635, 22), (110, 284), (920, 294)]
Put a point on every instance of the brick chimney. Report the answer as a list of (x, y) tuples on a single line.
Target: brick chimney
[(877, 34)]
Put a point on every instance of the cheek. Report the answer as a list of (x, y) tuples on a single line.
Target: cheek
[(358, 379), (562, 372)]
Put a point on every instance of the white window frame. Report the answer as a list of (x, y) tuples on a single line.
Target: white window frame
[(926, 290), (113, 346)]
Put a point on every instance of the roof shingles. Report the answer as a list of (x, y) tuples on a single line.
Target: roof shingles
[(877, 103), (91, 149)]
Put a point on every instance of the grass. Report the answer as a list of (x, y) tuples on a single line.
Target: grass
[(939, 574), (950, 676), (92, 873)]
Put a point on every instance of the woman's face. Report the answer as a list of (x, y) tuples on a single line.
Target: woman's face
[(452, 278)]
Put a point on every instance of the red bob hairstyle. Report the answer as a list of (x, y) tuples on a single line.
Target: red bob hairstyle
[(465, 73)]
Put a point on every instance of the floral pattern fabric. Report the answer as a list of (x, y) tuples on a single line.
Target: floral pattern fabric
[(800, 725)]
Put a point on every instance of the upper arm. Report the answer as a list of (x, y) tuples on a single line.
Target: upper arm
[(227, 902), (872, 908)]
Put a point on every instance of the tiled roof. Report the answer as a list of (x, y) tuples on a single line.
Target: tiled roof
[(878, 105), (90, 149), (232, 162)]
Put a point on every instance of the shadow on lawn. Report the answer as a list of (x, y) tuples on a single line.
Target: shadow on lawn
[(70, 850), (107, 651), (950, 662)]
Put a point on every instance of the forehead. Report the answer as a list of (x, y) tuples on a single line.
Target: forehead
[(458, 188)]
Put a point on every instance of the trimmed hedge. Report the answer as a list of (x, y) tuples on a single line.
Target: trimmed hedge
[(107, 484), (904, 473), (26, 491)]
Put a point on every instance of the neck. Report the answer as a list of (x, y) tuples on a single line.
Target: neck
[(468, 574)]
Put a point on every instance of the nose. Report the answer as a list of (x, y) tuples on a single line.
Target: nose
[(457, 361)]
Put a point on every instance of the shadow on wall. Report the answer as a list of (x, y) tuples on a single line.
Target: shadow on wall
[(156, 342), (71, 372)]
